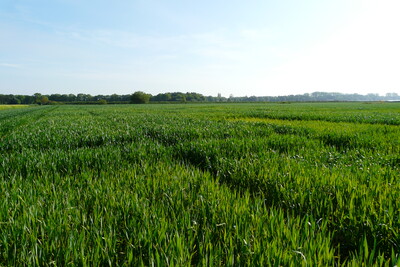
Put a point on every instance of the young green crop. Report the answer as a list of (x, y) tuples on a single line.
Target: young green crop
[(207, 185)]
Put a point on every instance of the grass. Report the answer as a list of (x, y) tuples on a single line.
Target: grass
[(207, 184)]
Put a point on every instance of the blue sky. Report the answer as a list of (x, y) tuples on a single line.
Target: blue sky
[(229, 47)]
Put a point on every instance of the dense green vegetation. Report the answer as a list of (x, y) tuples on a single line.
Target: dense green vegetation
[(178, 97), (206, 184)]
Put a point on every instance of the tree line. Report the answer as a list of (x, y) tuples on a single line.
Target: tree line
[(319, 97), (179, 97)]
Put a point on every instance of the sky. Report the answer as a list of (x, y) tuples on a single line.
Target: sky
[(239, 48)]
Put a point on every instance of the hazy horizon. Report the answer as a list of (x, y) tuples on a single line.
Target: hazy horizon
[(260, 48)]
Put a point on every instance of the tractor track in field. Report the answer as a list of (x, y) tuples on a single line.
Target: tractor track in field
[(28, 116)]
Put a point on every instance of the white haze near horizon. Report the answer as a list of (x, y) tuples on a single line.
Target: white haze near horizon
[(262, 48)]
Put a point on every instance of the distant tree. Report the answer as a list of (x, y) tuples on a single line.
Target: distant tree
[(84, 97), (14, 101), (168, 97), (44, 100), (392, 96), (55, 97), (182, 98), (114, 98), (140, 97), (27, 99), (37, 98)]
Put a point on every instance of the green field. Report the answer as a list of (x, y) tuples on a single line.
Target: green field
[(3, 107), (301, 184)]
